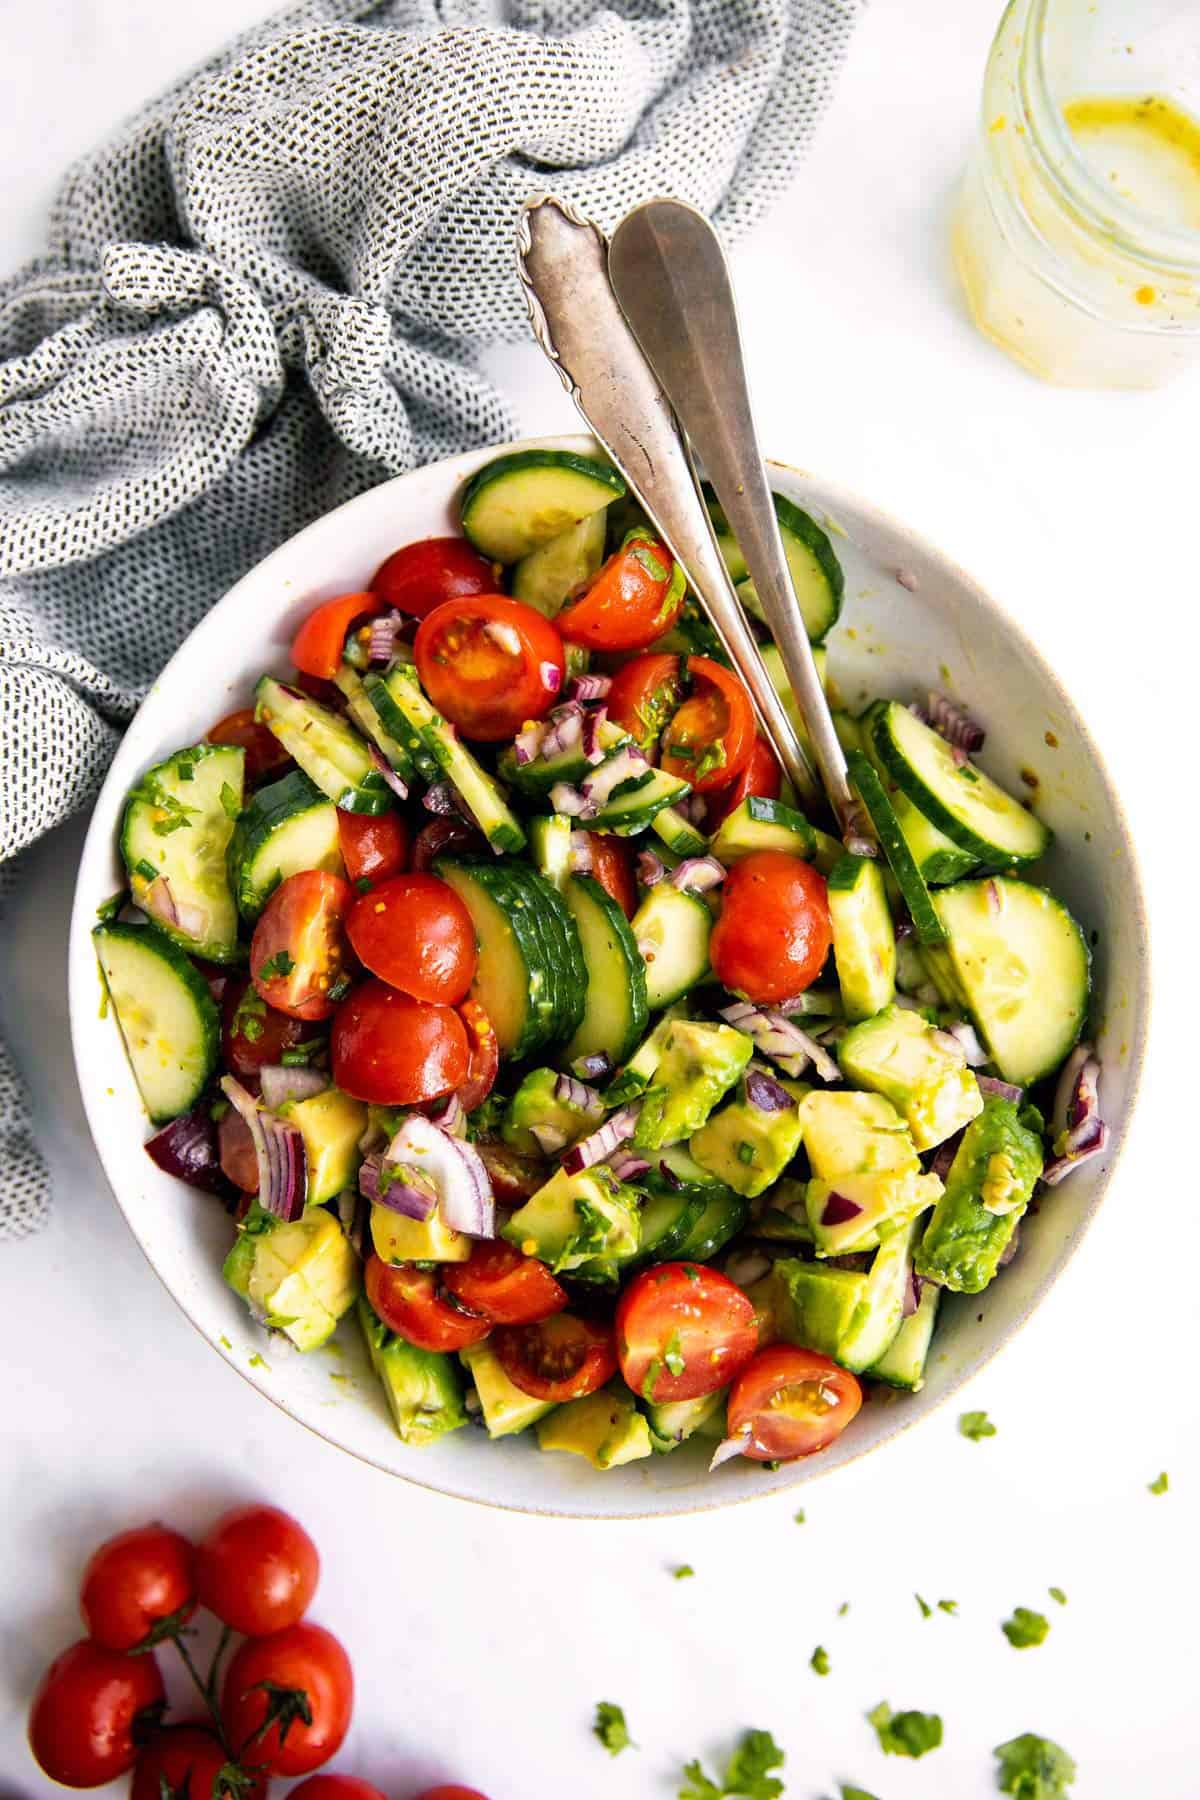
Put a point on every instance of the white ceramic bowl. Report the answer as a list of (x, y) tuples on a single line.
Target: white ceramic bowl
[(939, 629)]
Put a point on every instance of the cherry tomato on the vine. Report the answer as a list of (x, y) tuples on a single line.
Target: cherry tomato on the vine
[(133, 1582), (388, 1048), (187, 1760), (257, 1569), (416, 934), (420, 576), (683, 1330), (278, 1679), (298, 951), (489, 663), (791, 1402), (559, 1358), (91, 1710), (774, 931)]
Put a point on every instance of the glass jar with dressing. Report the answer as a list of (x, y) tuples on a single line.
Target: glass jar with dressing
[(1077, 232)]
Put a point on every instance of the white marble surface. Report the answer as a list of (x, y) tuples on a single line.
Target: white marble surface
[(482, 1641)]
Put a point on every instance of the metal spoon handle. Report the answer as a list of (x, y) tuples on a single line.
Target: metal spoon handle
[(562, 261), (672, 281)]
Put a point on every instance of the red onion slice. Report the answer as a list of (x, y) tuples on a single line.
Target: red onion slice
[(570, 1091), (564, 731), (1094, 1143), (505, 635), (528, 742), (729, 1448), (580, 859), (650, 868), (593, 719), (955, 724), (991, 1085), (764, 1093), (567, 799), (594, 1067), (966, 1037), (698, 874), (912, 1293), (944, 1155), (396, 782), (279, 1147), (602, 1143), (282, 1082), (381, 645), (379, 1183), (839, 1210), (590, 687), (453, 1168), (442, 800), (160, 902), (550, 1139), (188, 1149), (693, 807), (625, 764), (551, 676), (627, 1165)]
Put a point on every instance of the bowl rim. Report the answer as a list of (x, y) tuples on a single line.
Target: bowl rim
[(835, 496)]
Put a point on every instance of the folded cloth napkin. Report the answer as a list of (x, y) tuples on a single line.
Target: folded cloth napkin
[(264, 293)]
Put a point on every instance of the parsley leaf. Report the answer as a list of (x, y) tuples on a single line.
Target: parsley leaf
[(673, 1354), (746, 1773), (948, 1606), (1026, 1628), (610, 1728), (278, 965), (683, 1571), (926, 1609), (905, 1733), (1034, 1768), (843, 1609), (1057, 1594), (975, 1425), (299, 1054), (818, 1662), (230, 801), (853, 1793), (1160, 1484), (250, 1017), (798, 1517), (699, 1787)]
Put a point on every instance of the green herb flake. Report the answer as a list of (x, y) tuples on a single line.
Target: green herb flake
[(145, 869), (673, 1354), (948, 1606), (905, 1733), (855, 1793), (217, 1111), (745, 1152), (1160, 1484), (747, 1773), (683, 1572), (108, 909), (818, 1662), (926, 1609), (1056, 1593), (643, 553), (1026, 1628), (975, 1425), (363, 884), (799, 1518), (843, 1609), (277, 966), (1034, 1768), (230, 801), (250, 1017), (610, 1728)]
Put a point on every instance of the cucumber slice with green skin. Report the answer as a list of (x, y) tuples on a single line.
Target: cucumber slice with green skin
[(673, 1169), (902, 1364), (167, 1017), (633, 811), (672, 929), (668, 1220), (481, 794), (723, 1217), (672, 1423), (365, 714), (913, 891), (680, 837), (536, 778), (177, 824), (545, 577), (827, 852), (1024, 969), (288, 827), (615, 1010), (761, 824), (864, 942), (520, 501), (550, 846), (563, 948), (960, 800), (638, 1072), (377, 690), (939, 859), (511, 981), (330, 752), (817, 578)]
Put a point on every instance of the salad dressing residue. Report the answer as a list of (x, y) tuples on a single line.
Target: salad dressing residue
[(1146, 148)]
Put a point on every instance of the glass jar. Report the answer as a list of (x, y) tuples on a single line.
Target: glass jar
[(1077, 231)]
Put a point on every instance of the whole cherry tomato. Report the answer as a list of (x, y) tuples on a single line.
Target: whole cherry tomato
[(451, 1793), (91, 1710), (633, 598), (298, 951), (265, 755), (388, 1048), (188, 1760), (257, 1570), (416, 934), (270, 1686), (133, 1582), (407, 1300), (489, 663), (335, 1787), (683, 1331), (374, 845), (317, 646), (484, 1048), (774, 931), (420, 576), (711, 736), (791, 1402)]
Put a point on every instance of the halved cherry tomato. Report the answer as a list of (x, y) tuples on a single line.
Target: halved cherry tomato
[(133, 1582), (336, 1787), (489, 663), (407, 1300), (415, 933), (484, 1047), (791, 1402), (645, 693), (773, 934), (504, 1286), (761, 775), (374, 846), (317, 646), (442, 836), (682, 1331), (257, 1569), (253, 1033), (186, 1760), (421, 576), (612, 867), (387, 1047), (711, 737), (559, 1358), (238, 1156), (298, 951), (265, 755), (90, 1711), (631, 600), (304, 1660)]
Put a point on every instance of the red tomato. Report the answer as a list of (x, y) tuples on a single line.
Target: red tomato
[(133, 1582), (711, 737), (91, 1708), (237, 1154), (394, 1050), (612, 866), (265, 755), (186, 1760), (257, 1569), (415, 933), (559, 1358), (791, 1403), (632, 599), (298, 951), (451, 1793), (645, 693), (253, 1033), (307, 1662), (442, 836), (489, 664), (317, 646), (322, 691), (407, 1300), (484, 1048), (374, 845), (336, 1787), (421, 576), (773, 934), (761, 775), (503, 1285), (683, 1331)]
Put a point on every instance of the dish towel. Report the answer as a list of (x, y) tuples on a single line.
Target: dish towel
[(264, 293)]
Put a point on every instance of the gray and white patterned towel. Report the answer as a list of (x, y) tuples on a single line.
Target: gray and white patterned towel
[(264, 293)]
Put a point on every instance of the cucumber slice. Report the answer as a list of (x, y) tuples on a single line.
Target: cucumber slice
[(377, 690), (545, 577), (638, 1072), (564, 952), (615, 1010), (550, 846), (817, 578), (517, 502), (938, 858), (674, 1168), (827, 852), (668, 1220), (864, 942), (902, 1364), (761, 824), (723, 1217), (961, 801), (913, 892), (287, 827), (880, 1313), (511, 980), (362, 709), (536, 778), (481, 794), (680, 837), (177, 824), (330, 751), (167, 1017), (631, 812), (672, 929), (1024, 968)]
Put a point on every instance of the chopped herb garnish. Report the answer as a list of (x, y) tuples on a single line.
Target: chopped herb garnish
[(926, 1609), (905, 1733), (300, 1054), (948, 1606), (146, 870), (747, 1773), (642, 551), (108, 909), (745, 1152), (610, 1728), (277, 966), (673, 1354), (250, 1017), (853, 1793), (843, 1609), (683, 1571), (818, 1662), (217, 1110), (363, 884), (1034, 1768), (975, 1425), (1160, 1484), (175, 816), (800, 1517), (230, 801), (340, 988), (1026, 1628), (1056, 1593)]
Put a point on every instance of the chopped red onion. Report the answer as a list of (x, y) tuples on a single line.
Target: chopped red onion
[(650, 868), (668, 1174), (160, 902), (944, 1155), (551, 676), (453, 1167), (187, 1148), (965, 1036), (781, 1039), (447, 1113), (593, 719), (861, 846), (764, 1093), (570, 1091), (624, 764), (1077, 1094), (908, 580), (379, 1183), (627, 1165), (729, 1448), (698, 874), (279, 1147), (564, 730), (825, 1002), (839, 1210), (550, 1139), (1085, 1141), (396, 782), (567, 799), (281, 1083), (593, 1067), (912, 1293), (693, 807), (590, 687), (354, 1216), (1000, 1090), (956, 725), (580, 858), (602, 1143), (442, 799), (381, 645), (505, 635), (528, 742)]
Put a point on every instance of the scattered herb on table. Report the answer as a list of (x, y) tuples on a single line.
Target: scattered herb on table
[(798, 1517), (683, 1571), (610, 1727), (1056, 1593), (1160, 1484), (1026, 1628), (975, 1425), (853, 1793), (926, 1609), (818, 1662), (1034, 1768), (948, 1606), (905, 1733), (747, 1773)]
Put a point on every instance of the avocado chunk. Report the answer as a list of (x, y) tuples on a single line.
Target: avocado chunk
[(811, 1304), (586, 1224), (987, 1189), (506, 1409), (331, 1124), (921, 1070), (423, 1388), (746, 1146), (672, 1423), (902, 1364), (604, 1427), (866, 1178), (699, 1063), (538, 1122), (399, 1239), (299, 1277), (781, 1214)]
